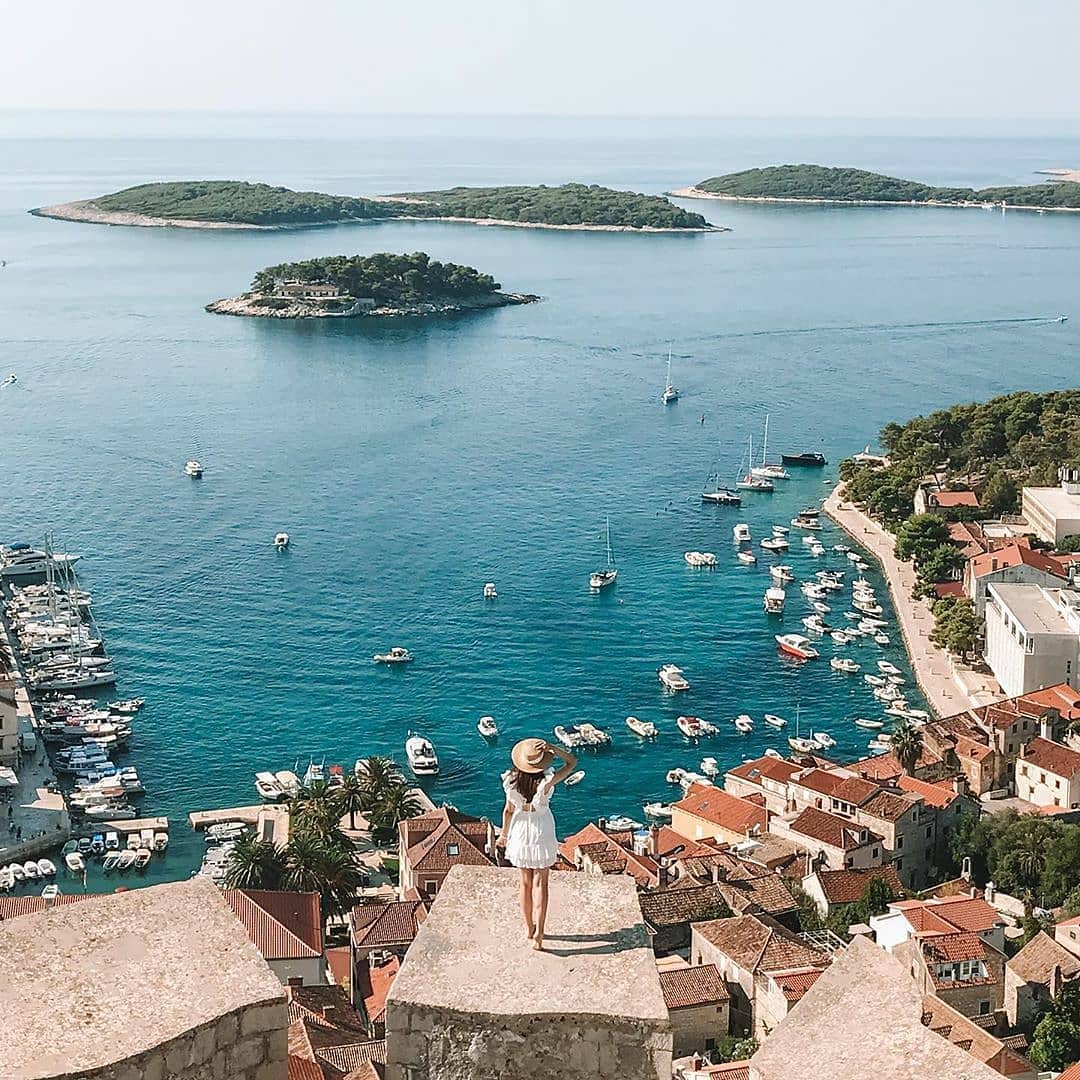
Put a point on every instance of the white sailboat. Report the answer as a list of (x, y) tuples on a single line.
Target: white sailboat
[(750, 481), (796, 742), (765, 471), (600, 579), (670, 394)]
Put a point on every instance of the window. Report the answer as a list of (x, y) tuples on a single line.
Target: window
[(1057, 784), (453, 849), (849, 862), (984, 1008), (1023, 770), (899, 842), (929, 830), (874, 853), (899, 864), (1042, 778), (710, 1044)]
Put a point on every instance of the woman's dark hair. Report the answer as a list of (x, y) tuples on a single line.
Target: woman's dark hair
[(526, 783)]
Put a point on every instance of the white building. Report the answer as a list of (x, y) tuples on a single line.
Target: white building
[(1032, 637), (1048, 774), (1054, 513)]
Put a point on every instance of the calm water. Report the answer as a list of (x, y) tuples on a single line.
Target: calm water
[(413, 462)]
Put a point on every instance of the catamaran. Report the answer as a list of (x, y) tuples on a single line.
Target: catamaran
[(600, 579)]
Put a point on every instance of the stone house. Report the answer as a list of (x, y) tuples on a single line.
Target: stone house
[(308, 290), (939, 915), (380, 933), (669, 913), (697, 1003), (931, 498), (1015, 564), (745, 948), (777, 993), (429, 845), (9, 721), (287, 928), (748, 887), (766, 777), (1067, 934), (596, 849), (835, 842), (1035, 975), (830, 889), (328, 1034), (709, 813), (1048, 774), (961, 968)]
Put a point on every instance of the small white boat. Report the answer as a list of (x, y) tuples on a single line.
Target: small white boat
[(774, 543), (601, 579), (645, 728), (770, 752), (142, 858), (110, 862), (7, 879), (161, 841), (675, 776), (659, 810), (421, 756), (887, 669), (843, 663), (281, 541), (397, 655), (741, 532), (820, 608), (773, 600), (815, 624), (882, 639), (127, 858), (822, 740), (487, 727), (875, 680), (30, 869), (128, 707), (46, 868), (50, 892), (874, 725), (567, 738), (699, 558), (781, 573), (266, 784), (841, 637), (575, 778), (744, 723), (853, 556), (841, 549), (75, 862), (709, 766), (774, 721), (888, 692), (672, 677), (801, 746), (112, 841), (780, 530), (693, 727), (796, 645), (621, 823), (194, 468), (489, 591), (747, 557), (289, 781)]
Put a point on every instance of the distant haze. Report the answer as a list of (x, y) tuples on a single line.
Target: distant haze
[(980, 59)]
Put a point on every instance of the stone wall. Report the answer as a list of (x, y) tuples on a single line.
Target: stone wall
[(248, 1044), (698, 1028)]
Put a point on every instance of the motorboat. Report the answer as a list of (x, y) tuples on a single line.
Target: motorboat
[(693, 727), (896, 679), (672, 677), (659, 810), (675, 776), (46, 868), (490, 592), (645, 728), (30, 869), (775, 543), (744, 723), (843, 663), (812, 590), (770, 752), (161, 841), (796, 645), (621, 823), (111, 861), (591, 735), (193, 468), (75, 862), (810, 460), (142, 858), (820, 607), (886, 668), (781, 572), (127, 707), (266, 784), (7, 879), (21, 560), (882, 639), (815, 624), (801, 746), (810, 523), (212, 833), (487, 727), (17, 872), (822, 740), (50, 892), (127, 859), (575, 778), (699, 558), (568, 738), (421, 756), (841, 637), (741, 532), (747, 557), (773, 600), (897, 707), (841, 549), (873, 725), (710, 767), (780, 530), (875, 680), (397, 655), (888, 692), (774, 721), (281, 541), (289, 781), (671, 393)]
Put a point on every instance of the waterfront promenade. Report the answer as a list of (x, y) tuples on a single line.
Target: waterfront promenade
[(947, 686)]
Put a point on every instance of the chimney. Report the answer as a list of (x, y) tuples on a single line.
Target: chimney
[(965, 868), (330, 1013), (959, 784), (296, 980), (1047, 723), (601, 824), (654, 839), (973, 892), (993, 563), (715, 873), (989, 892)]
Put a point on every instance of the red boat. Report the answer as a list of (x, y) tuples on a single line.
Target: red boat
[(796, 645)]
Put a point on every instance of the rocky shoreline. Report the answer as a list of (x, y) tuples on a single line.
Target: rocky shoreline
[(254, 305)]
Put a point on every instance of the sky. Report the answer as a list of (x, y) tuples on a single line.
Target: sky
[(986, 59)]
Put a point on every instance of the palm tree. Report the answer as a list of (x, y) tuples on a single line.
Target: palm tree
[(394, 806), (1029, 860), (907, 746), (329, 869), (254, 864), (351, 799), (315, 810), (378, 775)]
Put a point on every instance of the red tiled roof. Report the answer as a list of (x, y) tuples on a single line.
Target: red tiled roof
[(758, 943), (349, 1056), (969, 535), (378, 924), (1074, 921), (849, 789), (381, 978), (339, 961), (430, 838), (612, 852), (948, 588), (1061, 697), (1035, 962), (731, 1070), (1051, 756), (938, 794), (830, 829), (686, 987), (954, 498), (795, 983), (886, 767), (302, 1069), (674, 845), (969, 748), (849, 886), (772, 768), (677, 906), (722, 809), (886, 806), (13, 906), (1071, 1073), (968, 913), (959, 945), (281, 925), (1015, 555)]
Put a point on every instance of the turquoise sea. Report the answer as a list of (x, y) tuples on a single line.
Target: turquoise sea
[(412, 462)]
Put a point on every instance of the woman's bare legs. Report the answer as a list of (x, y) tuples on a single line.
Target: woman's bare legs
[(527, 900), (540, 904)]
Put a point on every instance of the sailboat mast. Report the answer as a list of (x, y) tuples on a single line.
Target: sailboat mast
[(765, 441), (607, 540)]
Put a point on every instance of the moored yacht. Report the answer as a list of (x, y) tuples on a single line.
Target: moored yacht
[(807, 460), (672, 677), (421, 756), (744, 723), (741, 532), (600, 579), (774, 721), (645, 728), (397, 655), (747, 557), (670, 394), (487, 727), (194, 468), (774, 600), (775, 543), (268, 787), (693, 727), (843, 663), (796, 645)]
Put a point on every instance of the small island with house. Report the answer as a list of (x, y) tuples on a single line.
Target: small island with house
[(236, 204), (371, 286)]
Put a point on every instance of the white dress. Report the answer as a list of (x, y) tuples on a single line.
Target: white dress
[(530, 840)]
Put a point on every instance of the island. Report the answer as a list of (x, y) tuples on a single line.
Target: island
[(825, 184), (380, 285), (237, 204)]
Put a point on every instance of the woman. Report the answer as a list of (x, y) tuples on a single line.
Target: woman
[(528, 828)]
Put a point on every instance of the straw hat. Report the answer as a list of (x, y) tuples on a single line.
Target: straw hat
[(531, 756)]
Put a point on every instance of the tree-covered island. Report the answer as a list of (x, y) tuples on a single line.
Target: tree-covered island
[(367, 285), (821, 183), (238, 204)]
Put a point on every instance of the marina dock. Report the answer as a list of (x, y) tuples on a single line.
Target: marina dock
[(134, 825), (246, 815)]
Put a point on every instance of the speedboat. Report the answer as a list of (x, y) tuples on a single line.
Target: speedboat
[(50, 892), (30, 869), (289, 781), (882, 639), (693, 727), (815, 624), (489, 591), (820, 608), (675, 776), (397, 655), (421, 756), (21, 560), (75, 862), (111, 862), (747, 557), (672, 677), (802, 746), (194, 468), (17, 873), (810, 459), (796, 645), (281, 541), (841, 549), (568, 738), (127, 859), (843, 663), (888, 692), (781, 572), (875, 680), (645, 728), (775, 543), (699, 558), (128, 707), (46, 867), (142, 858), (801, 522), (487, 727), (774, 600), (741, 532), (887, 669), (744, 723), (780, 530), (658, 810), (896, 680), (874, 725), (7, 879), (709, 766), (774, 721), (770, 752), (621, 823), (822, 740), (575, 778), (161, 841), (591, 735), (841, 637), (266, 784)]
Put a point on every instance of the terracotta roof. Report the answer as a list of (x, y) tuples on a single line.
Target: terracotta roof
[(732, 1070), (1071, 1073), (379, 924), (849, 789), (759, 943), (849, 886), (299, 1068), (380, 978), (959, 945), (965, 1033), (886, 767), (328, 1009), (1074, 921), (612, 852), (795, 983), (430, 840), (1015, 555), (339, 963), (969, 535), (686, 987), (1035, 962), (968, 913), (923, 919), (676, 906), (948, 588), (830, 829), (767, 892), (13, 906), (1061, 697), (723, 810), (281, 925), (887, 806), (350, 1056), (972, 750), (769, 767), (370, 1070), (674, 845), (939, 794), (954, 498), (1052, 756)]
